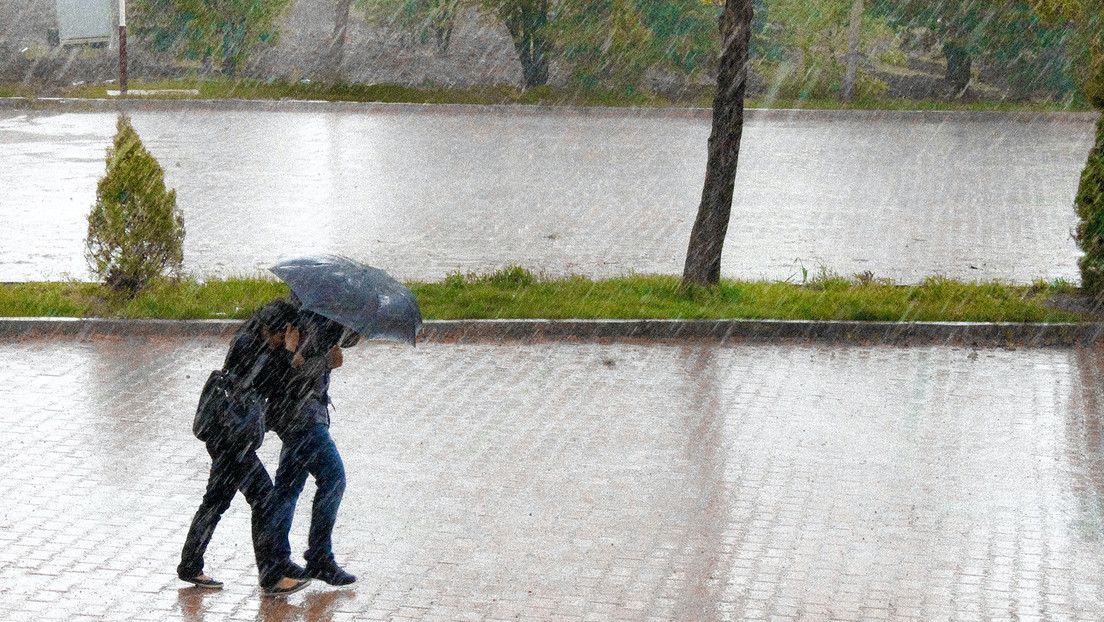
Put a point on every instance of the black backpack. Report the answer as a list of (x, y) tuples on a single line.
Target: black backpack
[(230, 413)]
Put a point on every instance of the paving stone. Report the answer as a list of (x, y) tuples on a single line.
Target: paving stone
[(538, 481)]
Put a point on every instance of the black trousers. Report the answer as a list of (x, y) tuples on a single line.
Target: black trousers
[(229, 474)]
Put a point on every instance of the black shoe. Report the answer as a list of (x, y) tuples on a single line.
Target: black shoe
[(330, 573), (284, 591), (208, 583), (295, 571)]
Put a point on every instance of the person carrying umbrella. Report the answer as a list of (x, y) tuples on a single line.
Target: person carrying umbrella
[(302, 420), (259, 355), (341, 301)]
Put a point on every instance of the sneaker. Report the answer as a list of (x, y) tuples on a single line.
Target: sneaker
[(330, 573), (203, 581), (294, 570), (284, 591)]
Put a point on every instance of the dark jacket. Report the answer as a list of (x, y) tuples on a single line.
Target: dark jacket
[(303, 398), (245, 351)]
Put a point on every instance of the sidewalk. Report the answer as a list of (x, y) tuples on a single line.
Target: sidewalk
[(581, 481)]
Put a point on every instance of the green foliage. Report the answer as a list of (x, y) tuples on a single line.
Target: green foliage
[(1087, 47), (1030, 48), (606, 43), (893, 57), (1093, 85), (135, 231), (220, 32), (426, 21), (801, 47), (614, 42), (1090, 209), (685, 34)]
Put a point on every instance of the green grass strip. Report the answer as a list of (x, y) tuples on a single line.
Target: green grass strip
[(517, 293), (697, 97)]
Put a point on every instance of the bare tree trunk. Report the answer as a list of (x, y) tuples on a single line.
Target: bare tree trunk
[(703, 256), (526, 24), (336, 54), (958, 67), (853, 40)]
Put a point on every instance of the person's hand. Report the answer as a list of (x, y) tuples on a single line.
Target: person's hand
[(291, 338), (336, 357), (297, 361)]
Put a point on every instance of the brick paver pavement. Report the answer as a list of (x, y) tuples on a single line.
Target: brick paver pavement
[(581, 481), (425, 191)]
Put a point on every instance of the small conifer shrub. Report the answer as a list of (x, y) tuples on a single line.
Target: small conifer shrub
[(135, 231), (1090, 192)]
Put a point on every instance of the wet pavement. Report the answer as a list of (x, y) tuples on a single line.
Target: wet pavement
[(424, 191), (582, 481)]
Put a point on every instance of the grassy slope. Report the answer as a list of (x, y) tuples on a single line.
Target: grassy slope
[(700, 97)]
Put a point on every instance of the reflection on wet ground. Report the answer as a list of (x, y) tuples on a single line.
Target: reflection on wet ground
[(425, 191), (580, 481)]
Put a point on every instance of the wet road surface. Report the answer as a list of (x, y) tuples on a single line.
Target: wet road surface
[(581, 482), (423, 191)]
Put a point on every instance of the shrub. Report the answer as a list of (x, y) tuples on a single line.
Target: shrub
[(1090, 208), (135, 231)]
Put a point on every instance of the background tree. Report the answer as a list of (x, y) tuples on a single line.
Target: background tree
[(527, 22), (604, 43), (135, 231), (1010, 35), (335, 56), (809, 32), (221, 33), (1084, 19), (703, 255), (802, 47), (854, 39)]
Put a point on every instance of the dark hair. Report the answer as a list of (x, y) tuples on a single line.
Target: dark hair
[(274, 316), (319, 333)]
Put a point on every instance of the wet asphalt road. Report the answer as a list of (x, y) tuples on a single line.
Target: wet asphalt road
[(423, 191), (582, 481)]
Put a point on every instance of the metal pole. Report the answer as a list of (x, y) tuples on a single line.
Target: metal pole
[(122, 49)]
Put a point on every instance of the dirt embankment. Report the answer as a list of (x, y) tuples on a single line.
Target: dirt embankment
[(480, 53)]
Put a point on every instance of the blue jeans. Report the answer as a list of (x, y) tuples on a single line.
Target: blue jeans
[(229, 474), (312, 452)]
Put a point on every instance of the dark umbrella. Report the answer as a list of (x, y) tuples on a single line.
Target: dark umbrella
[(359, 297)]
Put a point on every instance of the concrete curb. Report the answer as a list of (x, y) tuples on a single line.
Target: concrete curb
[(986, 335), (751, 114)]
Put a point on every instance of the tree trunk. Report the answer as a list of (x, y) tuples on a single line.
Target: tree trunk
[(336, 54), (958, 67), (525, 24), (853, 39), (703, 256)]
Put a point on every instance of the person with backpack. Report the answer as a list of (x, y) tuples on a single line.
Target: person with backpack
[(256, 368), (302, 421)]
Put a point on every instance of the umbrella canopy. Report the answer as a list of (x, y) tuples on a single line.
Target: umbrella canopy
[(359, 297)]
